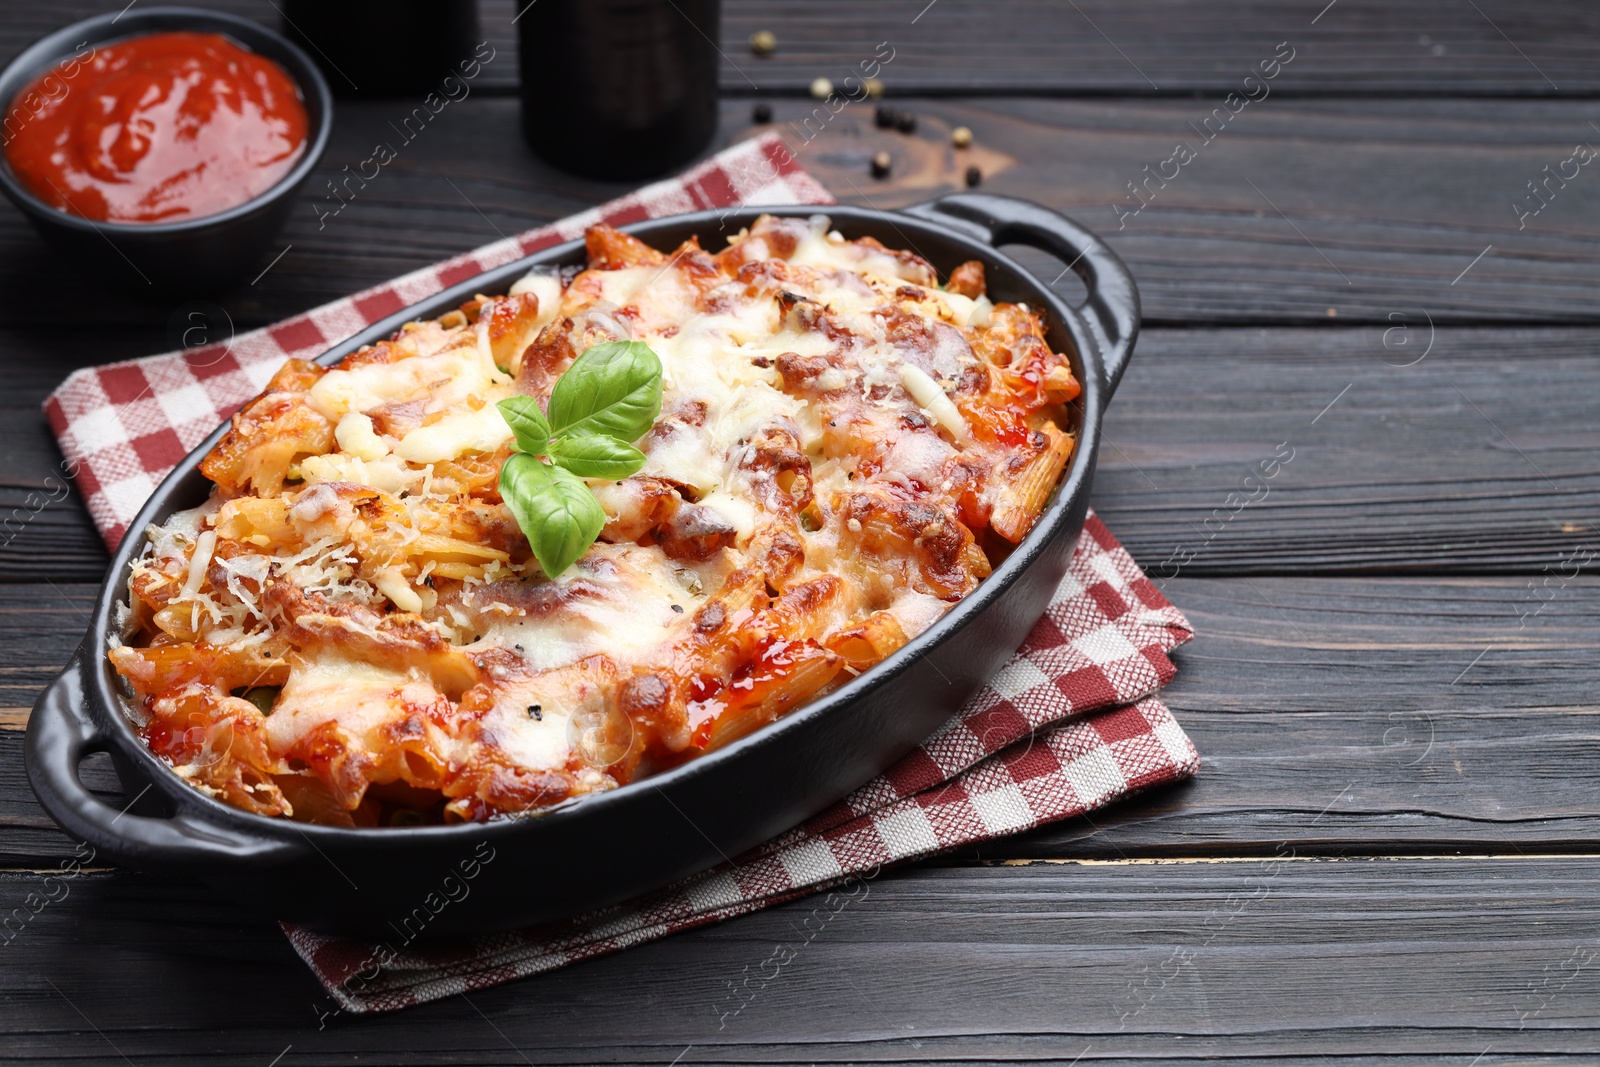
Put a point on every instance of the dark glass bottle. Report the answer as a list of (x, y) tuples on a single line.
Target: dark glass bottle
[(384, 47), (619, 88)]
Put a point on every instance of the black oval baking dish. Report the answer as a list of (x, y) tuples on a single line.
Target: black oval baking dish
[(607, 847)]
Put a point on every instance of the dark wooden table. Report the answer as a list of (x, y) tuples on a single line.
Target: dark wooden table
[(1391, 851)]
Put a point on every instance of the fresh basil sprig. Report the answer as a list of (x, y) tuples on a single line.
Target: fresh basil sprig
[(606, 400), (554, 508)]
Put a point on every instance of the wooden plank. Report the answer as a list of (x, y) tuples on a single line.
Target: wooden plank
[(1348, 716), (1410, 469), (1299, 210), (1341, 715), (1100, 46), (1105, 46), (1478, 457), (1305, 211), (1269, 961)]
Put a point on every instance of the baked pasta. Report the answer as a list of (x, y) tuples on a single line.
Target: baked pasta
[(352, 630)]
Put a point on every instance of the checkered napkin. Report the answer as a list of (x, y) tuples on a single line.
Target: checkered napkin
[(1071, 724)]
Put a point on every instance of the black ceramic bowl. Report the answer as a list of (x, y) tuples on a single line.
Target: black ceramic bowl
[(607, 847), (192, 257)]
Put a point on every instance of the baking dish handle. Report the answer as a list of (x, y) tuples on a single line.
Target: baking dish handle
[(60, 734), (1112, 306)]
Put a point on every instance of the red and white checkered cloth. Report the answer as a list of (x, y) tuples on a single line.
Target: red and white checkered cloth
[(1068, 726)]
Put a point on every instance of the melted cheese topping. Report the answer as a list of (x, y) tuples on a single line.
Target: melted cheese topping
[(842, 444), (622, 608)]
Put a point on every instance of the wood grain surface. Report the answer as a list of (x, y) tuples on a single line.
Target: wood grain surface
[(1039, 47), (1438, 959), (1391, 851), (1320, 211), (1042, 47)]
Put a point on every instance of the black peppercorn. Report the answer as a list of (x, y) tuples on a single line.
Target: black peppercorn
[(974, 176), (880, 165), (885, 117), (905, 122), (761, 113)]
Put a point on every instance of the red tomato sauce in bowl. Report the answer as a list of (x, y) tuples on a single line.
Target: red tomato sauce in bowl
[(158, 128)]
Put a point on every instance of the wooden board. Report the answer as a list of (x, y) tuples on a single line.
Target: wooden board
[(1036, 47), (1108, 962), (1369, 716), (1307, 211), (1473, 455)]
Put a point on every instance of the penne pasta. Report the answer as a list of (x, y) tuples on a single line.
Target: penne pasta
[(870, 642), (1024, 498), (781, 679)]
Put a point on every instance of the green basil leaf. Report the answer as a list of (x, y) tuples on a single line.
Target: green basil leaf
[(613, 389), (556, 511), (532, 429), (593, 456)]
